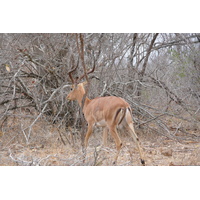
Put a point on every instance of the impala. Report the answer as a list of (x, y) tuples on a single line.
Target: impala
[(108, 112)]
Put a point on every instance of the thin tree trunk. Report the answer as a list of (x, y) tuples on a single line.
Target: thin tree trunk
[(142, 72)]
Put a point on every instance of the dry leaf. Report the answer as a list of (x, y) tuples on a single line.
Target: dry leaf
[(7, 67)]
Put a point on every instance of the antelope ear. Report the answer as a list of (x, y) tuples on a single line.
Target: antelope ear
[(85, 83)]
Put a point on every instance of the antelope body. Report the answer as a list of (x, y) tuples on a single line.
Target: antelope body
[(108, 112)]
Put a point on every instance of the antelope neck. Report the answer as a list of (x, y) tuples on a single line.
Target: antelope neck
[(87, 100)]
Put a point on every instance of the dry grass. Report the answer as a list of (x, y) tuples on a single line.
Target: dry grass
[(46, 148)]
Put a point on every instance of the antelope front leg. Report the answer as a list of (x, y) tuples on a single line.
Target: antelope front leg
[(88, 134)]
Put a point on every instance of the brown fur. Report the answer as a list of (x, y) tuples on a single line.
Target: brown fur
[(107, 112)]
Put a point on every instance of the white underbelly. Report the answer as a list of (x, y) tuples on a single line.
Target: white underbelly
[(101, 123)]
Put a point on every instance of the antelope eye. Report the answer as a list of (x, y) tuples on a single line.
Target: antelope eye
[(71, 89)]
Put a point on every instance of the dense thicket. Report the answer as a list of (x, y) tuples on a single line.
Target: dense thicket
[(158, 74)]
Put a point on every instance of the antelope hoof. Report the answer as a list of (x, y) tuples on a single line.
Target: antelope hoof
[(115, 162), (143, 162)]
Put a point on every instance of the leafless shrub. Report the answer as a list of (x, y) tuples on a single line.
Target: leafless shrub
[(158, 74)]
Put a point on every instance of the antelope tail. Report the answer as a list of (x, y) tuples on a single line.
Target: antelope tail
[(120, 115)]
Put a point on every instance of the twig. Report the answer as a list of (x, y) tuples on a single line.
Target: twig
[(47, 157), (19, 161), (30, 127)]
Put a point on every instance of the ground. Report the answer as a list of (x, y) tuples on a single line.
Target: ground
[(45, 148)]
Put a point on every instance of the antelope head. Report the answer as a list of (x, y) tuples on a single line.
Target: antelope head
[(77, 88)]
